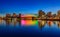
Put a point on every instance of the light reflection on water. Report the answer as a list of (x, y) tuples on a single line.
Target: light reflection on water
[(35, 25)]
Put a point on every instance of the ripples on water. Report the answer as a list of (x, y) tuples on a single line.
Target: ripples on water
[(26, 23), (30, 26)]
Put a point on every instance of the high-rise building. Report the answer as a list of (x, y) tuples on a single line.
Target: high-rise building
[(49, 15), (40, 13), (14, 15), (19, 17), (58, 13), (8, 15)]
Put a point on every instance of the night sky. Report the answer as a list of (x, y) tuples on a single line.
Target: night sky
[(28, 6)]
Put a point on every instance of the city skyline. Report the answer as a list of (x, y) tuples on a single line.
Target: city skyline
[(37, 14), (30, 18)]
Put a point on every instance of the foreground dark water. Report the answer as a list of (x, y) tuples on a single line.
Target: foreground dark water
[(48, 29)]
